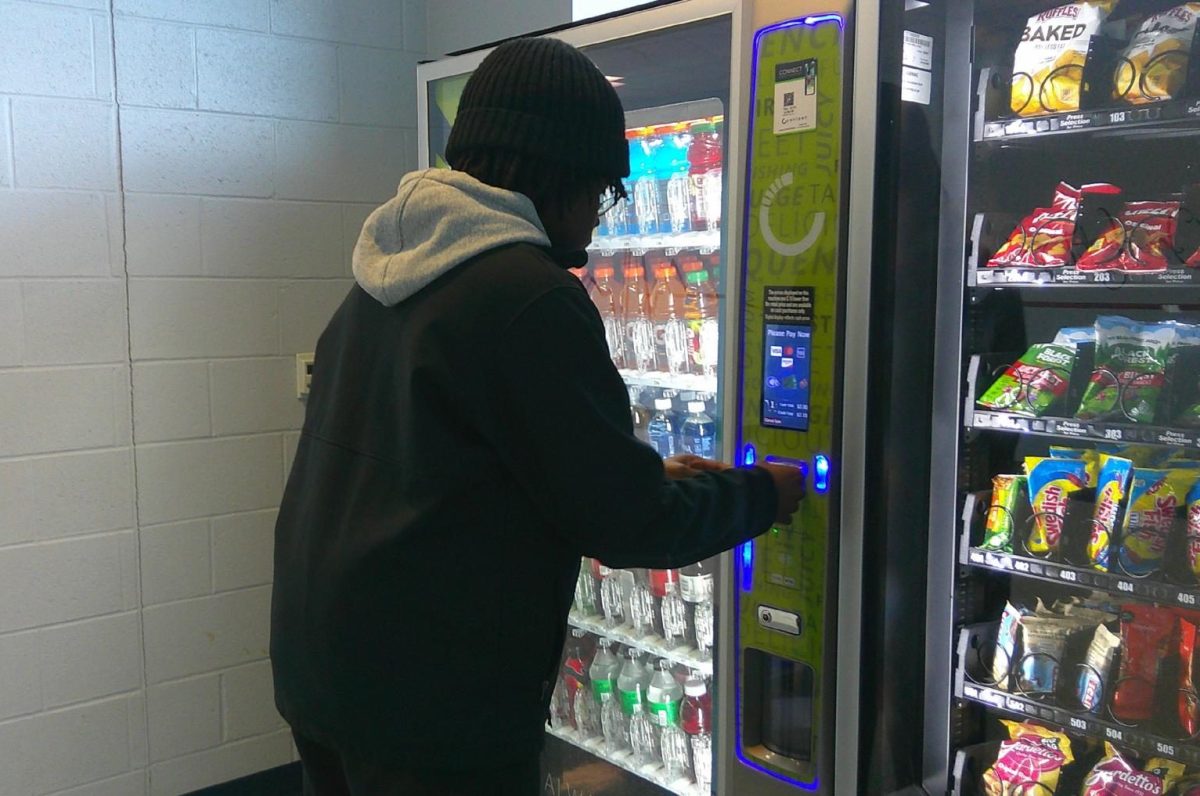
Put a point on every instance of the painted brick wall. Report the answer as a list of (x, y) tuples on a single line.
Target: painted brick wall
[(181, 183)]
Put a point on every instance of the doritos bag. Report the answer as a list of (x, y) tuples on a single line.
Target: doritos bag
[(1033, 756), (1138, 240), (1043, 238), (1048, 65), (1154, 65)]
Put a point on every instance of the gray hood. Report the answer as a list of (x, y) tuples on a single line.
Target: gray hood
[(437, 220)]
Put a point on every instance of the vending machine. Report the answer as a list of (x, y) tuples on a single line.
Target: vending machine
[(735, 289), (1064, 536)]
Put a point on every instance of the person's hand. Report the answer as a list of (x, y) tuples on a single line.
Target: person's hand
[(689, 465), (789, 490)]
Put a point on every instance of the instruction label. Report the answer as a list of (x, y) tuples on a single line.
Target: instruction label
[(796, 96)]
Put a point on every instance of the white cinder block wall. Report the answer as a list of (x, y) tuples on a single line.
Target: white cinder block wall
[(172, 231)]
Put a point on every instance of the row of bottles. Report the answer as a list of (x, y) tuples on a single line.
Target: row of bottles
[(670, 325), (676, 174), (673, 422), (674, 605), (659, 715)]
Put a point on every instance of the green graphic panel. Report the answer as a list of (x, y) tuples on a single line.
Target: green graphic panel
[(444, 95), (792, 269)]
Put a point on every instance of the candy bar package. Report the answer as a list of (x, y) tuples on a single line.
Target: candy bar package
[(1114, 775), (1095, 676), (1154, 65), (1145, 638), (1139, 240), (1043, 238), (1051, 483), (1030, 761), (1034, 383), (1010, 493), (1155, 497), (1048, 64), (1111, 488), (1131, 364)]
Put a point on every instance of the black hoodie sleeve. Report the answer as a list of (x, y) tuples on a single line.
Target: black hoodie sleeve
[(563, 426)]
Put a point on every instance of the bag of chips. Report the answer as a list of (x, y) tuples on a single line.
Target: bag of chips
[(1033, 755), (1137, 241), (1111, 489), (1051, 482), (1145, 635), (1155, 496), (1034, 383), (1113, 775), (1131, 365), (1184, 359), (1006, 645), (1189, 700), (1009, 493), (1095, 673), (1048, 64), (1154, 65), (1043, 238), (1193, 530)]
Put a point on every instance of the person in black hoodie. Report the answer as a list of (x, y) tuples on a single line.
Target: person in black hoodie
[(467, 439)]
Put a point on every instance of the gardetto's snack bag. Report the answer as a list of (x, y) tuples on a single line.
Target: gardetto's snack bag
[(1154, 65), (1048, 64), (1030, 761)]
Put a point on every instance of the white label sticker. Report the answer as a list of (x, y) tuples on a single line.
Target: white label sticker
[(918, 50), (915, 85), (796, 96)]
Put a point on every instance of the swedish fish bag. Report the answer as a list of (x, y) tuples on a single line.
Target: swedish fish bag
[(1048, 65), (1154, 65)]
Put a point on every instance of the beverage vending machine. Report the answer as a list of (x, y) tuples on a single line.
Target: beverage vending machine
[(735, 286)]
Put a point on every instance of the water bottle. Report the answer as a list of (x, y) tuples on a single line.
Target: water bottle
[(674, 617), (649, 188), (674, 168), (641, 736), (585, 589), (661, 428), (631, 684), (699, 432), (641, 606), (560, 706), (663, 697), (639, 414), (675, 752), (603, 674), (610, 599)]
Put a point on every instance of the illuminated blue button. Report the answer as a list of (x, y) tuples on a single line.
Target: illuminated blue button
[(821, 473), (747, 566), (749, 457)]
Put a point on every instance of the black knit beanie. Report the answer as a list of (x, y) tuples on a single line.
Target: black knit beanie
[(542, 97)]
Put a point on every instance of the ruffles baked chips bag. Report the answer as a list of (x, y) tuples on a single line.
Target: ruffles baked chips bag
[(1154, 65), (1048, 64)]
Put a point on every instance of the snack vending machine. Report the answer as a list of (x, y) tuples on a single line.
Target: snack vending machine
[(1064, 538), (735, 308)]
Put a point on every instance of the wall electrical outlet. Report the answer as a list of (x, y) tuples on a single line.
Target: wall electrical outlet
[(304, 368)]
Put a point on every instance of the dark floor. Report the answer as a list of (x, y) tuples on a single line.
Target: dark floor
[(281, 781)]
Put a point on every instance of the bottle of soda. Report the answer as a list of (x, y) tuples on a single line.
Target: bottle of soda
[(560, 705), (698, 433), (639, 331), (667, 312), (661, 428), (603, 674), (696, 588), (606, 295), (663, 696), (702, 311), (704, 176), (659, 578), (632, 683), (574, 672), (696, 720), (675, 169), (612, 602)]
